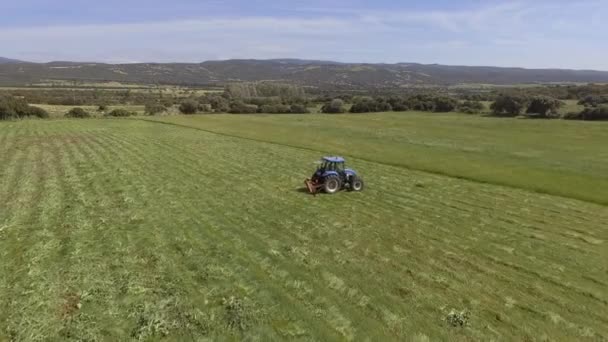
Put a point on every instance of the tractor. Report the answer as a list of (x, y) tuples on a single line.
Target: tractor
[(331, 176)]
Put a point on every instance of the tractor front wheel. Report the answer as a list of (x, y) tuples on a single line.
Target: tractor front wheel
[(356, 184), (332, 184)]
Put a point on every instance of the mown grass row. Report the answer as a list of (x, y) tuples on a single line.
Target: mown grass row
[(121, 228)]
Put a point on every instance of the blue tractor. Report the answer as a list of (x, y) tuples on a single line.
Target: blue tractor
[(331, 176)]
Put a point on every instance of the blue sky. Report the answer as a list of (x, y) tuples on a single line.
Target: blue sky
[(541, 33)]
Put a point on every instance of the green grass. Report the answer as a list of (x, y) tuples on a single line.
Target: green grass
[(571, 106), (128, 229), (557, 157)]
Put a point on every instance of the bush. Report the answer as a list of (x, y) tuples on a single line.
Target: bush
[(334, 107), (590, 114), (239, 107), (421, 102), (298, 109), (205, 108), (77, 113), (398, 104), (120, 113), (508, 105), (102, 108), (544, 106), (471, 107), (444, 104), (593, 100), (37, 112), (188, 107), (154, 108), (7, 112), (218, 103), (368, 105), (14, 108), (275, 109)]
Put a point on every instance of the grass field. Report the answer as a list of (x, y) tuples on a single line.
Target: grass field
[(130, 229), (551, 156)]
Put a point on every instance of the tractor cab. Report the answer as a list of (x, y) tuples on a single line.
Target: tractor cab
[(332, 164), (332, 176)]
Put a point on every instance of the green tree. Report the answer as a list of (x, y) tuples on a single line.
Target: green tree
[(335, 106), (508, 105), (188, 107), (444, 104), (298, 109), (471, 107), (239, 107), (544, 106), (154, 108)]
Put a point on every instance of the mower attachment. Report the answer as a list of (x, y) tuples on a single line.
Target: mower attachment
[(313, 187)]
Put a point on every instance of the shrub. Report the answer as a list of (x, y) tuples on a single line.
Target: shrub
[(590, 113), (334, 106), (367, 105), (188, 107), (593, 100), (154, 108), (218, 103), (37, 112), (398, 104), (14, 108), (298, 109), (471, 107), (205, 108), (544, 106), (458, 318), (421, 102), (444, 104), (102, 108), (120, 113), (275, 109), (239, 107), (508, 105), (77, 113), (7, 112)]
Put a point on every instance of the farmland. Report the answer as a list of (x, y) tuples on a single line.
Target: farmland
[(197, 227), (556, 157)]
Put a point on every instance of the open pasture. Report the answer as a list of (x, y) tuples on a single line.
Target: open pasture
[(114, 229)]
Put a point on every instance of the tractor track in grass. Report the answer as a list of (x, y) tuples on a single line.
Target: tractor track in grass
[(164, 223)]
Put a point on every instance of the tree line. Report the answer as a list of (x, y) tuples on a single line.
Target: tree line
[(279, 98)]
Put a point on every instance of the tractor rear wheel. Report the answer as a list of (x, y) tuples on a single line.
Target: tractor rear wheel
[(332, 184), (356, 184)]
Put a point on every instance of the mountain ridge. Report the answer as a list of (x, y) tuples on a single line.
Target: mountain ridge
[(316, 73)]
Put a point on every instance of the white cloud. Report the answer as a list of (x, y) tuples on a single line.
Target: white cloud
[(508, 33)]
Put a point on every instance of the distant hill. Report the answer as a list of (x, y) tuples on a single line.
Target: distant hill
[(324, 74), (8, 60)]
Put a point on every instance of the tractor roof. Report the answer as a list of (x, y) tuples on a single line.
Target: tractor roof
[(334, 159)]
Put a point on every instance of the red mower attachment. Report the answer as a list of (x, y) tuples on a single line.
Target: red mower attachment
[(313, 187)]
